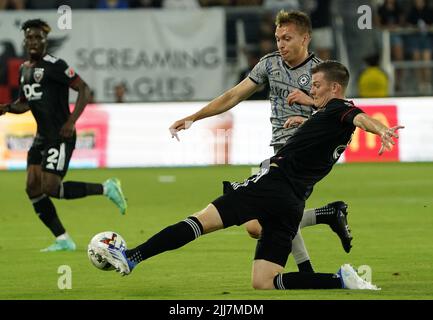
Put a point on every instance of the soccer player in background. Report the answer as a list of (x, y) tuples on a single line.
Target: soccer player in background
[(288, 72), (276, 195), (44, 89)]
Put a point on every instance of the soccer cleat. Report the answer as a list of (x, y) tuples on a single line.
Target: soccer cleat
[(113, 191), (117, 258), (351, 280), (340, 225), (61, 245)]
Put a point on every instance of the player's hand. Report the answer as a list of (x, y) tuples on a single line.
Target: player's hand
[(294, 122), (182, 124), (297, 96), (67, 129), (386, 138)]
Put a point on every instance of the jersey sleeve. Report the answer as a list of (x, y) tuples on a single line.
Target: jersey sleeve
[(347, 114), (63, 73), (259, 75)]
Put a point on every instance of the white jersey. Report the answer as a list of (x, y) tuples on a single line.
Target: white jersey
[(283, 80)]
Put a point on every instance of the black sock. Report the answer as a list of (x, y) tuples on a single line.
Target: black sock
[(305, 266), (75, 190), (325, 215), (46, 211), (170, 238), (306, 280)]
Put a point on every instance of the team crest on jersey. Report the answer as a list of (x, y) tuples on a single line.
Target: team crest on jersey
[(70, 72), (304, 80), (38, 74)]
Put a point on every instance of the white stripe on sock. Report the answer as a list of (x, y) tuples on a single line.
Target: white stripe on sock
[(280, 284), (194, 227), (61, 191), (35, 200)]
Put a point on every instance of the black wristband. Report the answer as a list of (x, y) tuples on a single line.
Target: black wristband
[(8, 107)]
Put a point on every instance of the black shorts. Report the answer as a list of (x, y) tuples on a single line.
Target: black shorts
[(268, 197), (54, 157)]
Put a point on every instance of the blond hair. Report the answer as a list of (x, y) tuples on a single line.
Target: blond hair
[(298, 18)]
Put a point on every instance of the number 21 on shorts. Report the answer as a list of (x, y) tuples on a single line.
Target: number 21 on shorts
[(56, 158)]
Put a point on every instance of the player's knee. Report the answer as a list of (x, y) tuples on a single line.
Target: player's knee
[(254, 229), (33, 189), (253, 233), (261, 283), (51, 189)]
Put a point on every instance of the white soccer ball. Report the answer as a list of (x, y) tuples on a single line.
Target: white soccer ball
[(104, 240)]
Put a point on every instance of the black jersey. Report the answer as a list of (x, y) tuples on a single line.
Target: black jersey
[(45, 86), (310, 153)]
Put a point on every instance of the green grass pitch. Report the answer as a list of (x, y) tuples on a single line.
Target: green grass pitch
[(390, 213)]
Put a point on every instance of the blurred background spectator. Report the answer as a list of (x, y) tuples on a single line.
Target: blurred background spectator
[(277, 5), (419, 44), (373, 82), (12, 4), (180, 4), (390, 16), (145, 4), (322, 39), (112, 4), (119, 92)]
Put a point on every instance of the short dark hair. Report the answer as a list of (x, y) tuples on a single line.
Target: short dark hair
[(36, 23), (298, 18), (333, 71)]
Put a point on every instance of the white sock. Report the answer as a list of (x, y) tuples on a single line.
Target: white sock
[(299, 251), (64, 236), (308, 218)]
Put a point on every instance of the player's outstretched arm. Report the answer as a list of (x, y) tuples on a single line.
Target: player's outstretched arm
[(221, 104), (386, 134), (16, 107), (82, 99)]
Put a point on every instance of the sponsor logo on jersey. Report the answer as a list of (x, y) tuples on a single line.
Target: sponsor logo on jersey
[(70, 72), (38, 74), (32, 91), (304, 79), (50, 58)]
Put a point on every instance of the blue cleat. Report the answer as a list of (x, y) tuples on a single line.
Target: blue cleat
[(61, 245), (113, 191)]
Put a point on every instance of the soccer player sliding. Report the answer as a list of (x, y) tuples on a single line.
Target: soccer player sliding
[(276, 195)]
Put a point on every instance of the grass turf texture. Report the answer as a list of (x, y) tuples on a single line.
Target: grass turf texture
[(390, 213)]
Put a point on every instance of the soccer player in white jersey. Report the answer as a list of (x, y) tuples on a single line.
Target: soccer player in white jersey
[(288, 72)]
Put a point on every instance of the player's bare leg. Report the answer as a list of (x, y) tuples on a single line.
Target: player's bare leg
[(253, 228), (210, 219), (263, 274)]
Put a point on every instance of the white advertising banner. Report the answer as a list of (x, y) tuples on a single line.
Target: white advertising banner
[(137, 135), (159, 55)]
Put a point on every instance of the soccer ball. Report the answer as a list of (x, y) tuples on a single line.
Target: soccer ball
[(104, 240)]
